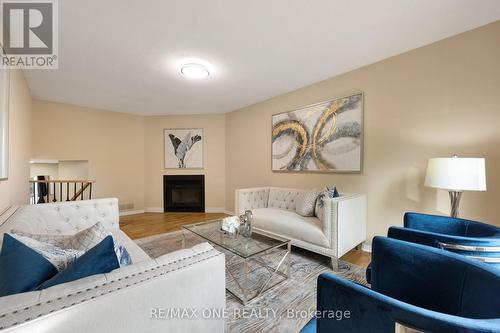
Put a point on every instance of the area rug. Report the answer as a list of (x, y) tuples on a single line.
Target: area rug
[(286, 307)]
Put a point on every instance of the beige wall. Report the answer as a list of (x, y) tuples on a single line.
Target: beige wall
[(214, 147), (73, 170), (125, 152), (15, 190), (438, 100), (112, 142), (45, 169)]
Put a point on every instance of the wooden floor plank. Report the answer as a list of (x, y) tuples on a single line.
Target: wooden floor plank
[(150, 224)]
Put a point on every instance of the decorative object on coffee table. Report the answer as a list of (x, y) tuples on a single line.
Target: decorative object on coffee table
[(183, 148), (230, 224), (268, 258), (322, 137), (246, 224), (456, 174)]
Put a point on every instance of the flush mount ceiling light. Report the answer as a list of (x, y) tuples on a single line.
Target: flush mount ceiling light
[(194, 71)]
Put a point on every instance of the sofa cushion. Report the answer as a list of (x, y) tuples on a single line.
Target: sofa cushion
[(60, 258), (306, 201), (283, 198), (136, 253), (99, 259), (81, 241), (290, 224), (327, 193), (21, 268)]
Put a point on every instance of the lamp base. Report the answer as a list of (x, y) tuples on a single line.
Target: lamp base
[(455, 202)]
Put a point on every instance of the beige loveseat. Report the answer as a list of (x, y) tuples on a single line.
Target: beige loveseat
[(342, 228)]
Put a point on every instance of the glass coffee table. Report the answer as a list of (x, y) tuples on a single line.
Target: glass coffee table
[(254, 264)]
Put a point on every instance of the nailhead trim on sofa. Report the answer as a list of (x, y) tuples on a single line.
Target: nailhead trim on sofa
[(19, 316)]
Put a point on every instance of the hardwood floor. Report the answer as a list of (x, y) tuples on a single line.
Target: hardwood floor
[(149, 224)]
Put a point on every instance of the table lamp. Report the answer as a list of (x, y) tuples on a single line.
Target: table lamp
[(456, 174)]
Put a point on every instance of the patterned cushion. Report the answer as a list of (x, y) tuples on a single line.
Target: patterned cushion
[(60, 258), (82, 241), (306, 202), (99, 259), (328, 193), (122, 254)]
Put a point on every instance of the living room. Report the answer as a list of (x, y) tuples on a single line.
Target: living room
[(255, 164)]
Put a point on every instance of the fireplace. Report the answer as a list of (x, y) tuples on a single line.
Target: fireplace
[(184, 193)]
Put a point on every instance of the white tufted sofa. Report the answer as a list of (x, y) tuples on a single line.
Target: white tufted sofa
[(123, 300), (342, 228)]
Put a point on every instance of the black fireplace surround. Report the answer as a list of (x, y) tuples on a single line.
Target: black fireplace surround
[(184, 193)]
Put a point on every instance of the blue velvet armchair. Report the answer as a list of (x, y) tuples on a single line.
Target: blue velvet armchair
[(415, 285), (470, 238), (477, 240)]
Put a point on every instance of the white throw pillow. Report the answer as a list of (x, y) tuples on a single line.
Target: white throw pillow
[(327, 193), (60, 258), (81, 241), (306, 202)]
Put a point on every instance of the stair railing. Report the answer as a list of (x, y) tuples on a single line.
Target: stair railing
[(48, 190)]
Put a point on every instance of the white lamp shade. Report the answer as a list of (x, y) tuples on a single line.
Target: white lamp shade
[(456, 174)]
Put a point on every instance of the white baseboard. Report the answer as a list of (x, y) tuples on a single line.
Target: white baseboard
[(153, 209), (131, 212), (228, 212), (366, 247)]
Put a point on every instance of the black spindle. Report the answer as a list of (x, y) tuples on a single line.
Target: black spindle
[(55, 194)]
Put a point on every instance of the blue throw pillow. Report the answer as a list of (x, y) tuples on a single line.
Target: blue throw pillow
[(98, 260), (21, 268)]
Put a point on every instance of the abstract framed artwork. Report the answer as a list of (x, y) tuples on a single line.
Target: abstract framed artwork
[(183, 148), (322, 137)]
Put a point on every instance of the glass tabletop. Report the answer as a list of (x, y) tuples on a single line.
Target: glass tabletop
[(243, 246)]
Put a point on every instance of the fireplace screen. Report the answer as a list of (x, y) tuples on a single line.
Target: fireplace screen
[(184, 193)]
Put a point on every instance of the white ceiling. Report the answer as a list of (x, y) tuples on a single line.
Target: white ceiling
[(122, 55)]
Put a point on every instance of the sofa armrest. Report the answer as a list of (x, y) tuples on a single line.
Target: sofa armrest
[(369, 311), (250, 198), (344, 221), (134, 298)]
